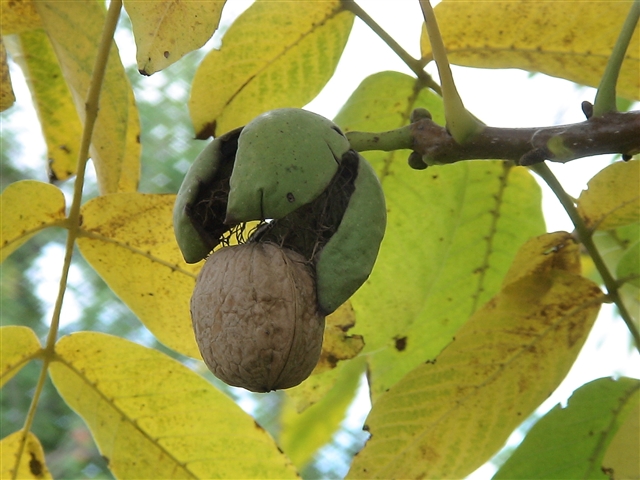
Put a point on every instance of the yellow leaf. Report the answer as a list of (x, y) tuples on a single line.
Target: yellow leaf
[(622, 458), (7, 98), (18, 16), (31, 464), (18, 345), (26, 208), (74, 29), (154, 418), (56, 111), (447, 417), (337, 345), (304, 433), (128, 238), (274, 55), (612, 198), (166, 30), (570, 39), (541, 254)]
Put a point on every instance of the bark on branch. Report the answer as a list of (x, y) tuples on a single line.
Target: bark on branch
[(611, 133)]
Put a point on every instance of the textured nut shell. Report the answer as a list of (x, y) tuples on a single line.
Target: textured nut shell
[(255, 317)]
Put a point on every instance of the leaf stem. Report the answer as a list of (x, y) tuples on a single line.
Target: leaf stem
[(462, 125), (413, 63), (73, 219), (606, 96), (585, 235)]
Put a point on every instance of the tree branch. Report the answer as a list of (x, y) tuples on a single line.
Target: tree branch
[(613, 132)]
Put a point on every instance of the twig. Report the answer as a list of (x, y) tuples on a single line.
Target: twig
[(614, 132), (413, 63), (73, 222), (585, 235)]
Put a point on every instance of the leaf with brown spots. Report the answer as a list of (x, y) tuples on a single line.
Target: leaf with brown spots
[(28, 207), (445, 419), (30, 465), (572, 39)]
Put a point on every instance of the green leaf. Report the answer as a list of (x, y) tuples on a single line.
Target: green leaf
[(128, 238), (629, 265), (27, 207), (19, 345), (449, 416), (570, 39), (571, 442), (274, 55), (622, 458), (154, 418), (74, 29), (57, 113), (166, 30), (612, 198), (30, 465), (452, 232), (304, 433)]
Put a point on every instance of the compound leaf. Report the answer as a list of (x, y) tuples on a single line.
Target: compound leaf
[(570, 39), (19, 345), (27, 207), (152, 417), (273, 55), (452, 232), (74, 29), (128, 238), (447, 417), (571, 442), (30, 465), (167, 30)]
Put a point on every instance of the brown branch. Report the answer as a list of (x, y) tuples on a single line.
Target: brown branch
[(613, 132)]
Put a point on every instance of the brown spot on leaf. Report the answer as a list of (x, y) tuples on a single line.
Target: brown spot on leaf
[(401, 343), (35, 466)]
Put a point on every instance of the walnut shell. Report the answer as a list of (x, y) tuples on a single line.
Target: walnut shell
[(255, 317)]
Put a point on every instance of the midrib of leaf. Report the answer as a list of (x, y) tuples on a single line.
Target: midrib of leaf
[(268, 64), (123, 415), (63, 222), (493, 230), (137, 251), (604, 434), (484, 49), (503, 366)]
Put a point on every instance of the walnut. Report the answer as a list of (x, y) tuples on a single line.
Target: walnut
[(255, 316)]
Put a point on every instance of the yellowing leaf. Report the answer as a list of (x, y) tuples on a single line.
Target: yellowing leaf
[(166, 30), (571, 442), (56, 111), (18, 345), (154, 418), (26, 208), (570, 39), (7, 98), (447, 417), (452, 232), (74, 29), (613, 197), (337, 345), (551, 251), (128, 238), (622, 458), (18, 16), (274, 55), (30, 465), (304, 433)]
